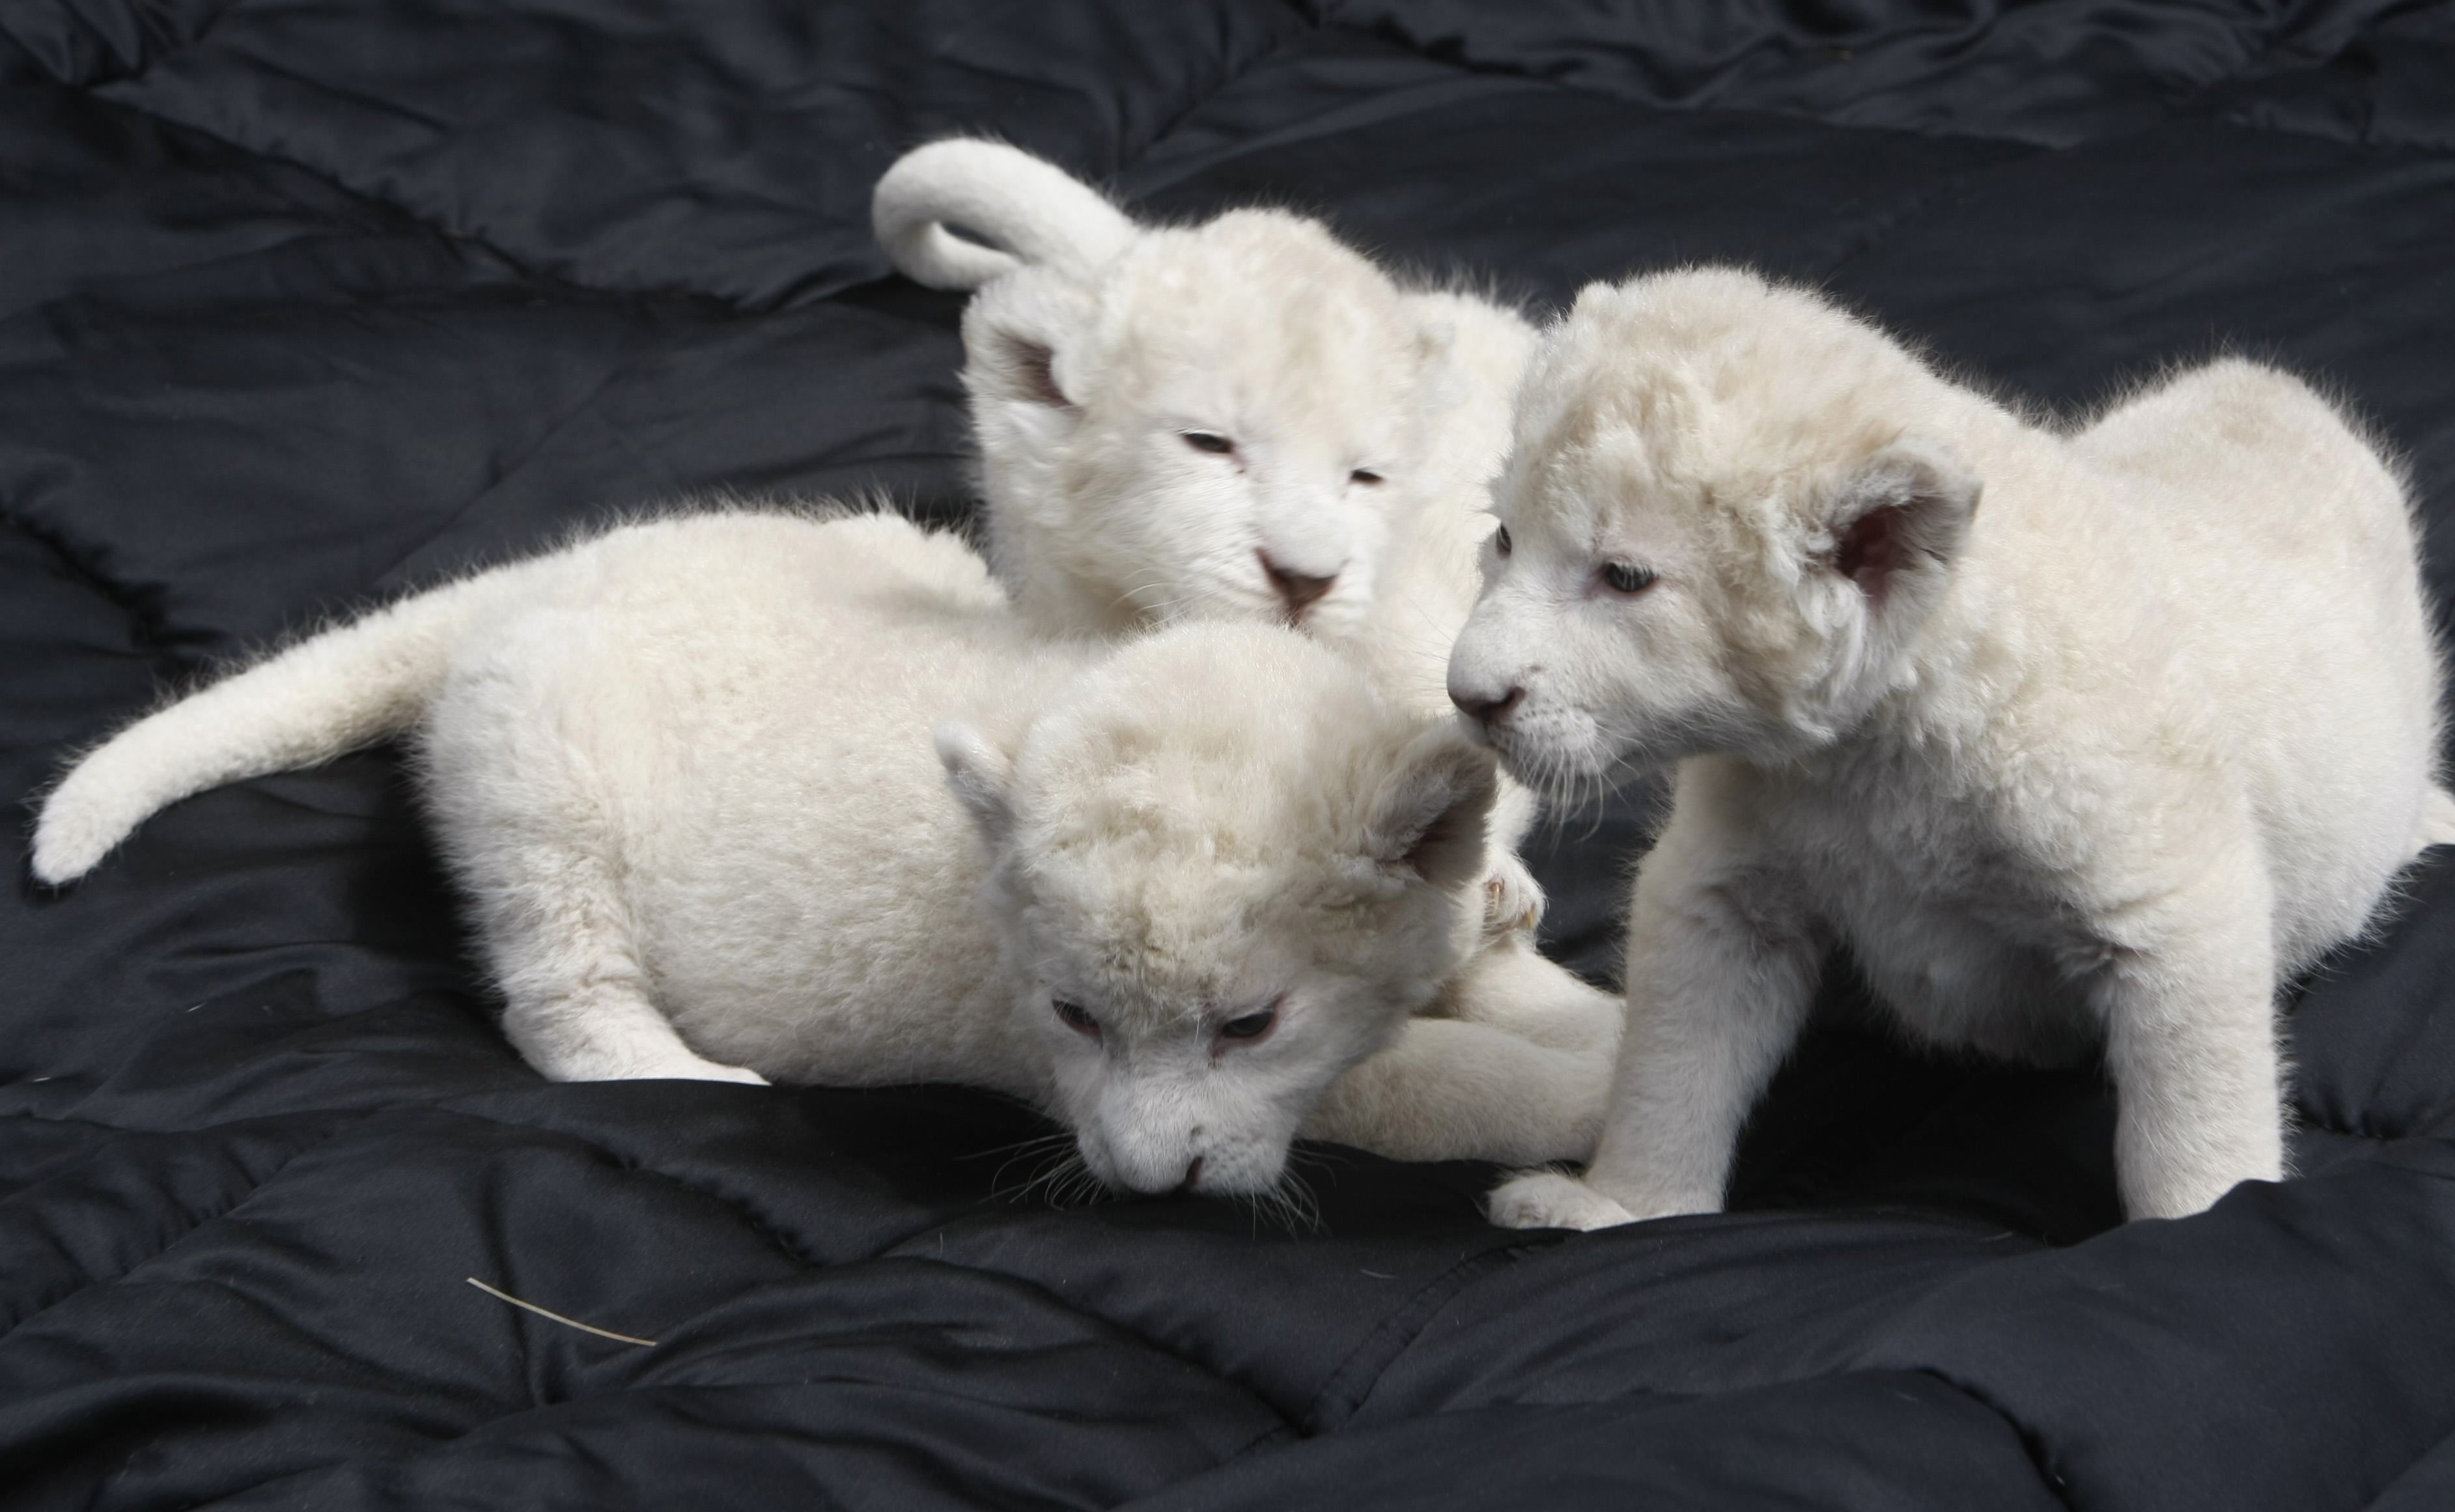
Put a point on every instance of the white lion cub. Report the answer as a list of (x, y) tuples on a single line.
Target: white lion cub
[(1243, 419), (685, 772), (1240, 419), (2099, 761)]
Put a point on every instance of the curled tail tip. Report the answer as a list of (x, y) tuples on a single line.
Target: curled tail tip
[(1034, 212), (920, 173), (956, 153), (935, 258), (907, 212)]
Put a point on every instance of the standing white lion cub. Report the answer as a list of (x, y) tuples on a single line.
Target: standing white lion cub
[(2100, 759), (685, 773)]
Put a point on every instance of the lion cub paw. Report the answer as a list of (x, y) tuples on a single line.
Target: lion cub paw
[(675, 1065), (1512, 898), (1550, 1200)]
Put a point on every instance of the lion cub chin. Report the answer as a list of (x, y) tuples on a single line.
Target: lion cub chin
[(694, 777), (2099, 763)]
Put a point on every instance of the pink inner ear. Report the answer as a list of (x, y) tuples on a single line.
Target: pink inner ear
[(1035, 367), (1875, 546)]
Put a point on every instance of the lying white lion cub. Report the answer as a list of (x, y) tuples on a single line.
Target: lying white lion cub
[(684, 771), (1240, 419), (2104, 759)]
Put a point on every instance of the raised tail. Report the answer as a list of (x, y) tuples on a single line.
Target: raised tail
[(1032, 210), (326, 694)]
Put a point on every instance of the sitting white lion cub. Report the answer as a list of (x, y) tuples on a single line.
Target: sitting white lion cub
[(1241, 419), (685, 773), (2100, 759)]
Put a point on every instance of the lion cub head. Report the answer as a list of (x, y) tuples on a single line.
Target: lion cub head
[(1222, 421), (1223, 871), (1730, 509)]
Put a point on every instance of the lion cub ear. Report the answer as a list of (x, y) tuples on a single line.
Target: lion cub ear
[(1900, 518), (1430, 813), (981, 776), (1019, 335)]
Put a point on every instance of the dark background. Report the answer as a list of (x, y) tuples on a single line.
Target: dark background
[(307, 301)]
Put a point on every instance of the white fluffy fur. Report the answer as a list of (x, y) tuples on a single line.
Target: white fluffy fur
[(1361, 423), (2100, 760), (1099, 346), (685, 774), (1038, 209)]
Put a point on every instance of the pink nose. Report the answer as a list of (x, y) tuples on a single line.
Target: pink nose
[(1487, 711), (1298, 590)]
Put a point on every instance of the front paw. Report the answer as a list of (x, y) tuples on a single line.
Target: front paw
[(1512, 898), (1549, 1200), (675, 1065)]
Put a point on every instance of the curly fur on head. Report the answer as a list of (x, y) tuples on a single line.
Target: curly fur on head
[(1223, 823)]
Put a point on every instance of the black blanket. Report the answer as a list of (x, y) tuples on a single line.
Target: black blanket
[(306, 301)]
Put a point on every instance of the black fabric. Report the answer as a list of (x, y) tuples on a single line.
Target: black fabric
[(305, 301)]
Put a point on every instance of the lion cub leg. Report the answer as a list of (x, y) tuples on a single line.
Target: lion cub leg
[(2188, 1003), (1512, 901), (1512, 985), (1448, 1090), (578, 1006), (525, 809), (1723, 968)]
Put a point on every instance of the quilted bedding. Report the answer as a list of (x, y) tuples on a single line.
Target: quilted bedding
[(306, 301)]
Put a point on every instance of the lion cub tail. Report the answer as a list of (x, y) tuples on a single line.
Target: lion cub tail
[(1034, 211), (319, 698)]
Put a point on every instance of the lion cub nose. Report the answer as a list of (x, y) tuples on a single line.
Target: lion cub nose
[(1485, 710), (1296, 590)]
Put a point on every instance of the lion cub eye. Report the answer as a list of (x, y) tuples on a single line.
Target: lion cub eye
[(1500, 540), (1625, 578), (1210, 441), (1077, 1017), (1251, 1026), (1364, 475)]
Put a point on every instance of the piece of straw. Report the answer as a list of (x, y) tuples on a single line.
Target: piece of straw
[(567, 1322)]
